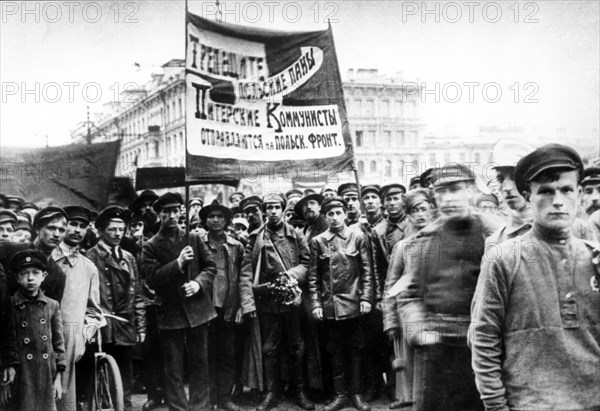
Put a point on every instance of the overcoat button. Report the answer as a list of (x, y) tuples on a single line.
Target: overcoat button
[(44, 338), (24, 324), (26, 341), (29, 356), (42, 321), (45, 356)]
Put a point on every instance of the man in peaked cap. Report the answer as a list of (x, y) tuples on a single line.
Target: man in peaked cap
[(50, 226), (590, 198), (80, 306), (8, 221), (349, 192), (194, 206), (30, 208), (439, 266), (180, 271), (252, 209), (415, 183), (142, 206), (293, 196), (372, 203), (14, 202), (346, 273), (309, 208), (328, 191), (547, 290), (283, 253), (227, 253), (120, 293)]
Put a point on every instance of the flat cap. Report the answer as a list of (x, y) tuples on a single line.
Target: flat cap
[(236, 193), (293, 193), (326, 189), (298, 206), (24, 225), (332, 202), (8, 216), (416, 197), (167, 200), (591, 175), (550, 156), (252, 201), (425, 178), (112, 212), (309, 191), (47, 214), (195, 201), (347, 188), (415, 180), (3, 201), (369, 188), (274, 198), (215, 206), (15, 200), (486, 197), (393, 188), (147, 196), (28, 258), (75, 212), (451, 173), (29, 205)]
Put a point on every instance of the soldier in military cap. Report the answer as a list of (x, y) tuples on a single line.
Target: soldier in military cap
[(23, 232), (275, 252), (50, 225), (349, 192), (340, 291), (487, 203), (14, 202), (372, 204), (179, 269), (80, 306), (537, 302), (8, 221), (293, 196), (120, 293), (439, 266), (415, 183), (194, 206), (328, 191), (30, 209), (39, 333), (252, 209), (590, 198)]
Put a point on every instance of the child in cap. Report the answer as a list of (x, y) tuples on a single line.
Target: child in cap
[(39, 334)]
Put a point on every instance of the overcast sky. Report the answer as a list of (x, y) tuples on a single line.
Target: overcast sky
[(550, 48)]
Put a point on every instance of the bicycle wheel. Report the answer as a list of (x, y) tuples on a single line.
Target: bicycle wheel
[(107, 390)]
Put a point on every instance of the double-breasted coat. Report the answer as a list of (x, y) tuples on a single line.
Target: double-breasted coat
[(41, 349)]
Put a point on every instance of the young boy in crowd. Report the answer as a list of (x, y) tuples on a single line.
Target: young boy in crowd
[(39, 335)]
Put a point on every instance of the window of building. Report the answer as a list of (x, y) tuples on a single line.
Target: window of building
[(414, 138), (398, 108), (400, 138), (370, 108), (387, 138), (432, 159), (372, 140), (462, 157), (357, 107), (385, 108), (477, 158), (388, 168), (373, 166), (359, 138), (361, 167), (446, 158), (156, 149), (179, 108)]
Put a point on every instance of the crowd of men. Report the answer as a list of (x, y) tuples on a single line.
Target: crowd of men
[(435, 295)]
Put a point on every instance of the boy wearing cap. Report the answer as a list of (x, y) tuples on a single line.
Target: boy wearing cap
[(590, 198), (227, 253), (120, 293), (252, 209), (276, 250), (349, 192), (8, 220), (181, 273), (441, 264), (340, 284), (80, 306), (535, 332), (39, 333)]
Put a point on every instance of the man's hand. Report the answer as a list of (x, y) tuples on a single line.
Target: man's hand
[(238, 316), (317, 313), (187, 254), (365, 307), (5, 394), (393, 334), (8, 375), (141, 337), (58, 391), (190, 288)]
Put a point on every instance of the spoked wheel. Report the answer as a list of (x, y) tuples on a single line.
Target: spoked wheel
[(106, 392)]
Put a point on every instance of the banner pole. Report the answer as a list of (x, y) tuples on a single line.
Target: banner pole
[(187, 184)]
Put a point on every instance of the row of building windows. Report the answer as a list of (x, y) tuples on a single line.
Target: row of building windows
[(175, 147), (369, 107), (398, 139)]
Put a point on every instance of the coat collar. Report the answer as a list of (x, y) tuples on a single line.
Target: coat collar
[(21, 299), (343, 233), (70, 254), (228, 240)]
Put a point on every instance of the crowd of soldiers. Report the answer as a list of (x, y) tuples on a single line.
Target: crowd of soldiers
[(437, 296)]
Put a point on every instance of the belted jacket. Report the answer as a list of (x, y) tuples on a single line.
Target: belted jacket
[(339, 275), (120, 295)]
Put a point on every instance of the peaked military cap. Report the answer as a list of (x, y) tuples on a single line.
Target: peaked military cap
[(274, 198), (167, 200), (393, 188), (28, 258), (252, 201), (591, 175), (8, 216), (347, 188), (332, 202), (47, 214), (75, 212), (550, 156), (112, 212), (451, 173), (293, 193), (370, 188)]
